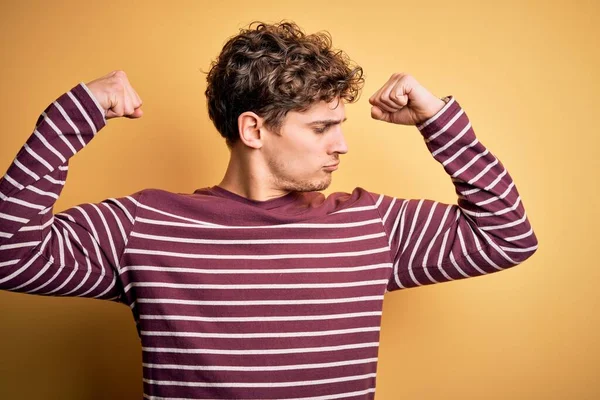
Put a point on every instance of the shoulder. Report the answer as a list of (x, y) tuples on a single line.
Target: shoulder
[(359, 197)]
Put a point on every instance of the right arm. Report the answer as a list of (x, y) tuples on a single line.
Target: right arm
[(76, 252)]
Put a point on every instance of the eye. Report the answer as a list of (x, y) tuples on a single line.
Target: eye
[(321, 129)]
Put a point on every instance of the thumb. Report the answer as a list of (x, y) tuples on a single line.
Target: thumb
[(377, 113), (137, 113)]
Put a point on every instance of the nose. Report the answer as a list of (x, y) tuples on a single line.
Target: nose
[(338, 144)]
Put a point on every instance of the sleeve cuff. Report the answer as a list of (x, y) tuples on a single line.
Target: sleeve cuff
[(91, 104), (447, 100)]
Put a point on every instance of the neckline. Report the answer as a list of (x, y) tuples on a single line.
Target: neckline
[(264, 204)]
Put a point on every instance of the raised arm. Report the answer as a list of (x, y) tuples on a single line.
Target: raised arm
[(75, 252), (485, 232)]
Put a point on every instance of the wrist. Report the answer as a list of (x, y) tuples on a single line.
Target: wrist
[(433, 108)]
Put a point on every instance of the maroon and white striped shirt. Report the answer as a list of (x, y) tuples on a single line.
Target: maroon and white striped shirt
[(242, 299)]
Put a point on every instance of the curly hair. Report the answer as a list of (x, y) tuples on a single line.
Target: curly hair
[(271, 69)]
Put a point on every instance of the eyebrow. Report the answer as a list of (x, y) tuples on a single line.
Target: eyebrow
[(327, 122)]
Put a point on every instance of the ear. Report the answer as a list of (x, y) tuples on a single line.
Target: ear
[(249, 128)]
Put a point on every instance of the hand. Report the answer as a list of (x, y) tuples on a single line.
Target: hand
[(402, 100), (116, 96)]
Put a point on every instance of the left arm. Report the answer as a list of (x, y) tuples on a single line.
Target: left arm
[(430, 242)]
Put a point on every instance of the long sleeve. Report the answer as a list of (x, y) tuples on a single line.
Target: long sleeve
[(75, 252), (487, 231)]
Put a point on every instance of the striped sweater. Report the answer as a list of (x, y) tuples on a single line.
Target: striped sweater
[(242, 299)]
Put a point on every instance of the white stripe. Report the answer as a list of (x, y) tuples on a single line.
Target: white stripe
[(261, 318), (258, 335), (495, 213), (37, 227), (453, 140), (417, 247), (387, 213), (524, 235), (73, 126), (493, 244), (40, 273), (435, 117), (94, 100), (257, 241), (354, 209), (458, 268), (259, 384), (59, 133), (26, 170), (412, 226), (27, 265), (257, 368), (445, 127), (254, 286), (57, 271), (49, 146), (470, 163), (82, 111), (479, 247), (201, 224), (507, 225), (45, 211), (459, 152), (483, 172), (6, 235), (13, 182), (43, 193), (379, 201), (249, 352), (25, 203), (73, 270), (38, 157), (118, 221), (326, 397), (196, 222), (256, 257), (495, 198), (109, 234), (260, 302), (122, 207), (398, 217), (487, 188), (55, 181), (88, 220), (19, 245), (465, 253), (253, 271), (9, 262), (445, 239), (437, 233), (519, 250), (13, 218)]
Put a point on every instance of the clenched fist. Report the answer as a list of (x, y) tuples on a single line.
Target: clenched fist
[(116, 96), (402, 100)]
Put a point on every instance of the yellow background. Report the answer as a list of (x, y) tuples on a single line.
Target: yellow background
[(526, 73)]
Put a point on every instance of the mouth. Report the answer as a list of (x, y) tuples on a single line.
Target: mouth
[(331, 167)]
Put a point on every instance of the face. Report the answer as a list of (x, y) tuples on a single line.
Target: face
[(306, 151)]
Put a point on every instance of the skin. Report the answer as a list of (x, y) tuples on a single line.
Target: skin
[(265, 164)]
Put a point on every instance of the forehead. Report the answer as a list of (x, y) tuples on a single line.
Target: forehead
[(320, 111)]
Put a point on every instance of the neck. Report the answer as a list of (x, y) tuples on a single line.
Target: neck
[(247, 177)]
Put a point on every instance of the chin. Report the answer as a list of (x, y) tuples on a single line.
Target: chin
[(308, 185)]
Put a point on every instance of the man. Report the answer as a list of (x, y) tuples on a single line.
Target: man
[(260, 287)]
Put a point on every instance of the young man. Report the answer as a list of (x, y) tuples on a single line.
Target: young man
[(259, 287)]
